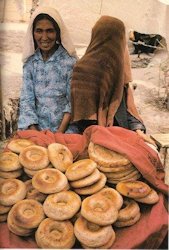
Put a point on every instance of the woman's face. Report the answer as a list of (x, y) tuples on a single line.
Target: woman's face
[(45, 35)]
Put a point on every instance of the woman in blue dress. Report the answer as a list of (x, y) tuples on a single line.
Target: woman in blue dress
[(49, 57)]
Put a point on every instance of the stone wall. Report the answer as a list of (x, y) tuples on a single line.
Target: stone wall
[(144, 16), (15, 10), (80, 15)]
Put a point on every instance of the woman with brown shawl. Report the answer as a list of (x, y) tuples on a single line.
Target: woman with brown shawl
[(99, 87)]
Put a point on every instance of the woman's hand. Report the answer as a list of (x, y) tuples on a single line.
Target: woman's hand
[(33, 127), (110, 122), (145, 137), (64, 123)]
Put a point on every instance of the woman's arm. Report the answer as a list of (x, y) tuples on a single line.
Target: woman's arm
[(67, 109), (33, 127), (115, 103), (27, 109), (65, 122), (135, 122)]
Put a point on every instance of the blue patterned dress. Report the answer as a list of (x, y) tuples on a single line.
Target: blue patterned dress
[(45, 94)]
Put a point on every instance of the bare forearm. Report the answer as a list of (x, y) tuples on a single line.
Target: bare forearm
[(115, 103), (65, 122)]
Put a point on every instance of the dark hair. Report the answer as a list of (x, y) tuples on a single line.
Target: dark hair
[(43, 16)]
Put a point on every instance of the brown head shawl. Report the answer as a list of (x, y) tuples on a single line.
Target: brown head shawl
[(98, 77)]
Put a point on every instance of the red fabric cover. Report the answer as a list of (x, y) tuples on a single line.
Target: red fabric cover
[(75, 142), (10, 240), (128, 143), (147, 233), (150, 230)]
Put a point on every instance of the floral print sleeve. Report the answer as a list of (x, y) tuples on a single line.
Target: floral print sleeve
[(28, 114), (45, 95), (67, 108)]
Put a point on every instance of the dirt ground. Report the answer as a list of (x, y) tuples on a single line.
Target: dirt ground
[(150, 94), (149, 73)]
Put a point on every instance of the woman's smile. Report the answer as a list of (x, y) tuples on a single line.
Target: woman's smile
[(45, 36)]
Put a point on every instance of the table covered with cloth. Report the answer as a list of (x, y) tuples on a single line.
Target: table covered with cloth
[(151, 229)]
